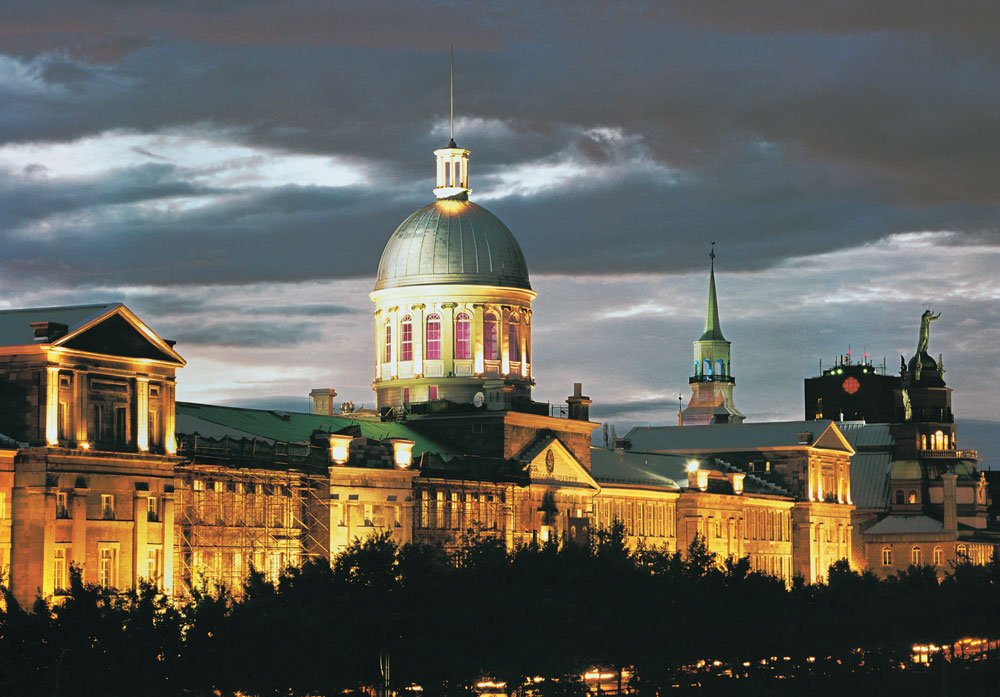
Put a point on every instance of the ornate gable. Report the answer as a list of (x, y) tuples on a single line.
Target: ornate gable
[(119, 332), (552, 463)]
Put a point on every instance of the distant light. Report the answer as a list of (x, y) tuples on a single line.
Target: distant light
[(692, 466)]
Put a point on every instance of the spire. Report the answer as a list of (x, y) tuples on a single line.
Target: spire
[(713, 328), (452, 161)]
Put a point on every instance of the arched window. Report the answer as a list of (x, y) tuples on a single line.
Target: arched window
[(387, 356), (899, 497), (463, 337), (887, 556), (514, 340), (433, 337), (916, 557), (938, 556), (706, 367), (406, 339), (911, 497), (491, 343), (923, 442), (962, 552), (939, 441), (720, 367)]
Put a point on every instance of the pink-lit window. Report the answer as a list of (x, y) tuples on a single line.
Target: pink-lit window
[(514, 341), (406, 395), (491, 340), (388, 344), (463, 337), (432, 392), (406, 340), (434, 337)]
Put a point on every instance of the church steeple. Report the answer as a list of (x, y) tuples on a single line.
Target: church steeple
[(712, 382), (713, 328)]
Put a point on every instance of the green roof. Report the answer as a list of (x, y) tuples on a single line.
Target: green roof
[(713, 327), (213, 421)]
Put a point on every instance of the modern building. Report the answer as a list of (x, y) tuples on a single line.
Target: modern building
[(712, 381)]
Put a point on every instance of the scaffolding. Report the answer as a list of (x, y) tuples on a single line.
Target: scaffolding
[(245, 504)]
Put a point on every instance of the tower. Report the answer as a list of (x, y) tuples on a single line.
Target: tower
[(452, 303), (712, 382)]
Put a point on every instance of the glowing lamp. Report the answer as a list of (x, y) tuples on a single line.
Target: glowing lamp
[(402, 452), (692, 466), (84, 445), (340, 446)]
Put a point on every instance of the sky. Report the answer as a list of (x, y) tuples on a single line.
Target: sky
[(231, 170)]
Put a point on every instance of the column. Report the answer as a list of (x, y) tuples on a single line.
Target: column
[(142, 413), (169, 419), (168, 544), (378, 343), (418, 339), (140, 535), (448, 337), (523, 335), (479, 366), (394, 346), (80, 406), (52, 405)]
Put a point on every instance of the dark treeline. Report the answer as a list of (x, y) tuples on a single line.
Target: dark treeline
[(443, 621)]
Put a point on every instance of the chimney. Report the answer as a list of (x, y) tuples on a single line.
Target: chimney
[(579, 405), (949, 480), (321, 400), (48, 331)]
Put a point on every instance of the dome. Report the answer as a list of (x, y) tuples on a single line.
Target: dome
[(452, 241)]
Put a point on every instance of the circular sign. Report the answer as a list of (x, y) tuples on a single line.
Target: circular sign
[(851, 385)]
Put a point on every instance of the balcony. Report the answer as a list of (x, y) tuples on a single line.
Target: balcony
[(711, 378), (948, 454)]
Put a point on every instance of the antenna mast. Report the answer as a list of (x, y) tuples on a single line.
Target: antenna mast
[(451, 101)]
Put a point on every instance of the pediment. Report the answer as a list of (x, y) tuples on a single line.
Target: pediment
[(554, 464), (121, 334), (832, 439)]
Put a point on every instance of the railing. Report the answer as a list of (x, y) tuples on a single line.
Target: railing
[(949, 454), (711, 378)]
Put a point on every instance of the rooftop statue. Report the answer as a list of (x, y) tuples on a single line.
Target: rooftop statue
[(925, 330)]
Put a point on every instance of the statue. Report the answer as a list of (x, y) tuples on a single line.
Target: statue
[(907, 406), (925, 330)]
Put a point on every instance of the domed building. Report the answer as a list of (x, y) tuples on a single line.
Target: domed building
[(452, 303)]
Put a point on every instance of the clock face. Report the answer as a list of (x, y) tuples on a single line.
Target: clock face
[(851, 385)]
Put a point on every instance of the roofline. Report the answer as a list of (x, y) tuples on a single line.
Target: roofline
[(130, 317)]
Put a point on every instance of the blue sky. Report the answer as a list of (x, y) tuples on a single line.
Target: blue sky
[(232, 170)]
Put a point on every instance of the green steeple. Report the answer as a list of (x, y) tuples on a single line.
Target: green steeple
[(713, 328)]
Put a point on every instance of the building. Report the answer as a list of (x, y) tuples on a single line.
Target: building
[(919, 499), (712, 382)]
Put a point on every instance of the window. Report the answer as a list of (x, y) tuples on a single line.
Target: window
[(433, 337), (218, 486), (63, 418), (463, 337), (899, 497), (121, 425), (108, 506), (432, 392), (152, 510), (938, 556), (387, 357), (887, 556), (406, 395), (62, 504), (59, 581), (491, 342), (153, 564), (939, 442), (916, 557), (458, 174), (514, 340), (154, 428), (962, 552), (911, 497), (107, 569), (406, 339)]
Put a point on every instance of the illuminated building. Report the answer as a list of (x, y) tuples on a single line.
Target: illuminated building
[(712, 381)]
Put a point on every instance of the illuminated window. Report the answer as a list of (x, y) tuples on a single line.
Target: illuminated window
[(463, 337), (962, 552), (923, 442), (406, 339), (916, 557), (108, 506), (938, 556), (514, 341), (939, 443), (62, 504), (406, 395), (107, 568), (887, 556), (434, 337), (911, 497), (899, 497), (152, 510), (491, 340), (59, 581), (387, 356), (432, 392), (153, 564)]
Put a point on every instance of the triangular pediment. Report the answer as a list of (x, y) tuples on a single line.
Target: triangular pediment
[(555, 465), (832, 439), (119, 333)]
